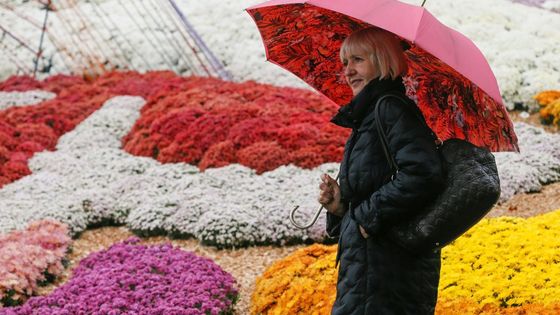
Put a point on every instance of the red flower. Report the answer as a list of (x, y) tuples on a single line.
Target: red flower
[(253, 130), (29, 148), (7, 141), (297, 136), (15, 170), (38, 133), (186, 152), (263, 156), (4, 154), (19, 157), (175, 121), (218, 155), (4, 180), (19, 83)]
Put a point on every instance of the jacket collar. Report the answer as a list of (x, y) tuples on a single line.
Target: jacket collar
[(352, 114)]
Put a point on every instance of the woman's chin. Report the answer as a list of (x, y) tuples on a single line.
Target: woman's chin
[(357, 90)]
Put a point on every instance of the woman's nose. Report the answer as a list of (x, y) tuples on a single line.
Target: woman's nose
[(349, 70)]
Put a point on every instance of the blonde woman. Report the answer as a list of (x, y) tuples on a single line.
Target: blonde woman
[(376, 276)]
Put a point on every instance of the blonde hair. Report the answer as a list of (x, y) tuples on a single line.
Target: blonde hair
[(383, 48)]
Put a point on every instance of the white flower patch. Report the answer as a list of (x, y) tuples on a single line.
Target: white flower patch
[(64, 184), (536, 139), (553, 5), (40, 196), (537, 164), (212, 204), (27, 98), (88, 183), (520, 42)]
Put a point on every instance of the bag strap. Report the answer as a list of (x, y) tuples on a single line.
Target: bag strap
[(383, 137)]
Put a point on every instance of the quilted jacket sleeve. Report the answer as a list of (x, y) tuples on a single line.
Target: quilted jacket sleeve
[(420, 173)]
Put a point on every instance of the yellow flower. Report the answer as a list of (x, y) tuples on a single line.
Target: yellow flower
[(501, 266), (546, 97)]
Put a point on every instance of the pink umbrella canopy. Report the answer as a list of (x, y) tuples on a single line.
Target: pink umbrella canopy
[(448, 76)]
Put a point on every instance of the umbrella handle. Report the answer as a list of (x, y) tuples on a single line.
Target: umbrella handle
[(310, 223), (423, 2)]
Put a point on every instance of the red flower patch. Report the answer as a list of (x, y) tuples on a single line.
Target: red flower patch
[(202, 121), (29, 129), (263, 156), (211, 123)]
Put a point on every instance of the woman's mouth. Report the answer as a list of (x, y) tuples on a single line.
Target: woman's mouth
[(355, 82)]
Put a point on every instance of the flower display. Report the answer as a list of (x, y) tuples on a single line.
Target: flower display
[(229, 32), (509, 262), (129, 278), (30, 129), (27, 98), (509, 265), (29, 257), (302, 283), (550, 106), (231, 198), (20, 84), (212, 123), (537, 164)]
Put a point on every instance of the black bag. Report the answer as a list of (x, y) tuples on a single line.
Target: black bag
[(471, 188)]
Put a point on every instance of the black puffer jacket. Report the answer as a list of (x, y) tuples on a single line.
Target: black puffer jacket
[(375, 275)]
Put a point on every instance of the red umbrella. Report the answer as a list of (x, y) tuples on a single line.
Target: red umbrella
[(448, 76)]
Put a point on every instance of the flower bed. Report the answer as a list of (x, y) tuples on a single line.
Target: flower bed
[(232, 36), (129, 278), (509, 265), (302, 283), (216, 123), (550, 106), (227, 205), (26, 130), (537, 164), (103, 184), (30, 257), (26, 98)]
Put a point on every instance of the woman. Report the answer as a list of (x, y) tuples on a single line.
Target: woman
[(376, 276)]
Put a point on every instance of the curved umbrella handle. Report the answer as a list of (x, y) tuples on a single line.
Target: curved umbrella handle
[(310, 223)]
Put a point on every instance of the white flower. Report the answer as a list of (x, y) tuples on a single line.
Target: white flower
[(27, 98)]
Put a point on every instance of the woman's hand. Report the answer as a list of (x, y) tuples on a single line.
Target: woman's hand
[(330, 197), (363, 232)]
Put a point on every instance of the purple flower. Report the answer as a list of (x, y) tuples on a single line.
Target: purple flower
[(129, 278)]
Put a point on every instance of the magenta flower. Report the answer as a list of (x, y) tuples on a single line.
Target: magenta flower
[(129, 278)]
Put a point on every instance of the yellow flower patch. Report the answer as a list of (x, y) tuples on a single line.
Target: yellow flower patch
[(505, 261), (501, 266), (547, 97), (302, 283), (468, 307)]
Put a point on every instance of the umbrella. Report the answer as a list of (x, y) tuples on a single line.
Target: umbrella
[(448, 77)]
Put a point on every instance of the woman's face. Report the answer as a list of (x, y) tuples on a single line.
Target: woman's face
[(358, 71)]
